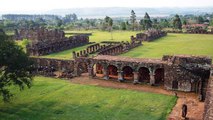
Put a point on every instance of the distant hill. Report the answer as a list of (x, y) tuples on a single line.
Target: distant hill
[(124, 12), (119, 11)]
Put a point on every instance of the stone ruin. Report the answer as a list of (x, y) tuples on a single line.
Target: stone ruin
[(193, 29), (54, 67), (150, 35), (44, 41), (108, 48), (188, 73), (180, 72)]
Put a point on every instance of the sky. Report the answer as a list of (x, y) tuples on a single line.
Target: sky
[(45, 5)]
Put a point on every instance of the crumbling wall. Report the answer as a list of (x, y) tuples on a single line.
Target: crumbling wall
[(187, 73), (150, 35), (54, 67), (44, 41)]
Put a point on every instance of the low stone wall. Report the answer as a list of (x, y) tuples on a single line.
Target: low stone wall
[(191, 32), (54, 67), (150, 35)]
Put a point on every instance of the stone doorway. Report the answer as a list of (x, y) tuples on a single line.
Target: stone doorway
[(144, 75), (128, 73), (175, 85), (113, 72), (159, 76), (98, 70)]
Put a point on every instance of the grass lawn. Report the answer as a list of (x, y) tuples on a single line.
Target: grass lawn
[(57, 99), (98, 36), (67, 54), (193, 44)]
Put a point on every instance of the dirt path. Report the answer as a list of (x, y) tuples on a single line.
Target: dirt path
[(195, 108)]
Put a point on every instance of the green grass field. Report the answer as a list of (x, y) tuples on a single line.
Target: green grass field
[(67, 54), (98, 36), (56, 99), (192, 44)]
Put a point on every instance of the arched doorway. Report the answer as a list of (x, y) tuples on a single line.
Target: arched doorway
[(98, 70), (175, 85), (159, 76), (112, 71), (128, 73), (144, 75)]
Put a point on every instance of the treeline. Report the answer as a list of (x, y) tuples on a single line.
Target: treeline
[(133, 22)]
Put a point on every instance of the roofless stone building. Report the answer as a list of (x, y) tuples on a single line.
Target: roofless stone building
[(179, 72)]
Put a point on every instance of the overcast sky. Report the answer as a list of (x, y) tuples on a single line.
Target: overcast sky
[(41, 5)]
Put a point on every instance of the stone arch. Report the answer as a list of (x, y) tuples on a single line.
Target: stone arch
[(128, 73), (159, 75), (144, 74), (98, 69), (112, 71)]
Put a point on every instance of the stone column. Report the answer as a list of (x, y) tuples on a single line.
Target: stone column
[(90, 71), (106, 73), (152, 78), (120, 76), (74, 55), (136, 77), (81, 53), (88, 50)]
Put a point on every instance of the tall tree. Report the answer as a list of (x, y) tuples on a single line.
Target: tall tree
[(177, 24), (109, 23), (15, 67), (123, 26), (133, 19), (200, 20), (147, 21)]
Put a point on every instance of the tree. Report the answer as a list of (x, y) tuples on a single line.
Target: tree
[(2, 35), (200, 20), (177, 24), (15, 67), (109, 23), (184, 22), (164, 23), (133, 19), (147, 21), (123, 26)]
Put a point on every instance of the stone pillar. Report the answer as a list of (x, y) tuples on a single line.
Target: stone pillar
[(120, 76), (152, 78), (88, 50), (136, 77), (73, 54), (81, 53), (77, 55), (106, 73), (90, 71)]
